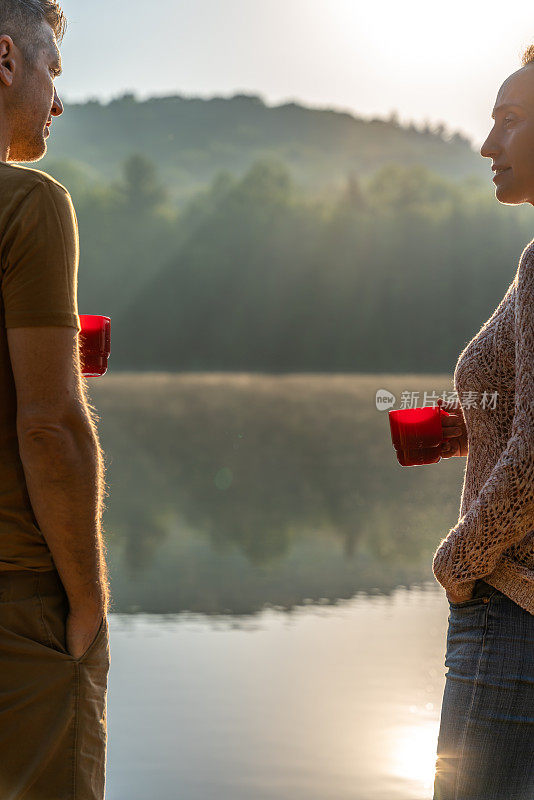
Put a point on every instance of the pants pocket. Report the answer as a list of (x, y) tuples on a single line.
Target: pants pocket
[(482, 593), (22, 616), (53, 609), (54, 613)]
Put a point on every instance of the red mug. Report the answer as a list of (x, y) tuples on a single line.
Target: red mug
[(94, 344), (417, 434)]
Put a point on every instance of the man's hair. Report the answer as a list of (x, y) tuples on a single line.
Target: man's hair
[(21, 19), (528, 56)]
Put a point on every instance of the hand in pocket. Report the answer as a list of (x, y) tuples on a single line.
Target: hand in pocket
[(81, 630)]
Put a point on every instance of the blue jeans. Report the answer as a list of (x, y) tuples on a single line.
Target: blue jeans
[(485, 748)]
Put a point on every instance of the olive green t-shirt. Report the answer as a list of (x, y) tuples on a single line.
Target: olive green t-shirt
[(39, 254)]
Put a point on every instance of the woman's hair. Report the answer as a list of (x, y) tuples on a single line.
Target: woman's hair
[(528, 56), (21, 19)]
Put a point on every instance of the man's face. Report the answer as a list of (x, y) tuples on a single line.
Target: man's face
[(510, 143), (31, 100)]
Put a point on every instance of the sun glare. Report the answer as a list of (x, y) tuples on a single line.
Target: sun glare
[(413, 753)]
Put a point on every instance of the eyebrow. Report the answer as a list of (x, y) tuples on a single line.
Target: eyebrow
[(506, 105)]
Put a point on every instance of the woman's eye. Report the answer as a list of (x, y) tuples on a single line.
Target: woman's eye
[(509, 119)]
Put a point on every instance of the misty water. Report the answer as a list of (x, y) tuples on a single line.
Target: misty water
[(276, 631)]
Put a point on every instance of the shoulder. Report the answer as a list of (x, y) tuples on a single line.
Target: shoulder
[(18, 183), (31, 201), (527, 256), (16, 175), (31, 197), (524, 298), (524, 277)]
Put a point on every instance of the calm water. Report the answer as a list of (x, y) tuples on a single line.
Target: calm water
[(276, 630), (324, 703)]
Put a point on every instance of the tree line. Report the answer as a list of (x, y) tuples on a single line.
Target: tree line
[(394, 272)]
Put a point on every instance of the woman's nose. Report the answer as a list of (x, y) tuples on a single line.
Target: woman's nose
[(489, 148)]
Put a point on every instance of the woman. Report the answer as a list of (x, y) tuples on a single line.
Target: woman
[(485, 748)]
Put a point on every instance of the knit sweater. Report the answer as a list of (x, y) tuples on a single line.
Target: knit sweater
[(494, 536)]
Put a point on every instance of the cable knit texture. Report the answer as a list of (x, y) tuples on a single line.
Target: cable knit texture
[(494, 536)]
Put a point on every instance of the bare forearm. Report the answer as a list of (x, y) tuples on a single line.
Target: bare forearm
[(65, 479)]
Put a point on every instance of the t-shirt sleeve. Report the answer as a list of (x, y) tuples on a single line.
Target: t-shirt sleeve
[(40, 256), (503, 512)]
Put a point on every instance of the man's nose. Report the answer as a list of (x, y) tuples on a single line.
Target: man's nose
[(57, 106)]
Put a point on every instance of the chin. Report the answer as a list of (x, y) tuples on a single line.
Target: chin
[(29, 151), (509, 197)]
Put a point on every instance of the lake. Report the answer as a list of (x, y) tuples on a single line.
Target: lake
[(276, 631)]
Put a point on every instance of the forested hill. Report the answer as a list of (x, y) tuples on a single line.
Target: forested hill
[(227, 235), (193, 139)]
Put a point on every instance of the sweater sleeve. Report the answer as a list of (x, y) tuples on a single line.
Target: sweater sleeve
[(503, 511)]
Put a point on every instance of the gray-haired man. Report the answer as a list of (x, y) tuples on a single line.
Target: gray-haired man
[(54, 591)]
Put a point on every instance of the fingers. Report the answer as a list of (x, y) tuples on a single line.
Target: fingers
[(452, 406), (449, 448), (451, 419), (452, 432)]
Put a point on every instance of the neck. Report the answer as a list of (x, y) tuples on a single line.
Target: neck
[(4, 136)]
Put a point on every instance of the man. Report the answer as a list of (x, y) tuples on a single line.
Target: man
[(54, 592)]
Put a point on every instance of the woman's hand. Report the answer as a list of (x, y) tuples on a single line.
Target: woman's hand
[(454, 432), (457, 597)]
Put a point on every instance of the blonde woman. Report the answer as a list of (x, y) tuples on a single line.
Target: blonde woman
[(485, 748)]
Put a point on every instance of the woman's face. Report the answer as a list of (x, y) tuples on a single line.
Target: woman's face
[(510, 143)]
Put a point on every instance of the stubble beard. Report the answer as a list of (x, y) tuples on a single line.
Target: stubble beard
[(28, 142)]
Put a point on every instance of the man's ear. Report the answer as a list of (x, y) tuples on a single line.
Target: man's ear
[(7, 59)]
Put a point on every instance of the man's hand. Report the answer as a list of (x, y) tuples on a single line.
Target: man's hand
[(81, 629), (454, 432)]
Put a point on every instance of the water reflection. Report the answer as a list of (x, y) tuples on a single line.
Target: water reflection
[(322, 702), (229, 493), (413, 751), (281, 635)]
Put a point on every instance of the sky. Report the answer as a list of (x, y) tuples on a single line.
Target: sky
[(427, 61)]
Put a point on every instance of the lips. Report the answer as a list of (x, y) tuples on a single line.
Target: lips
[(498, 170), (499, 173)]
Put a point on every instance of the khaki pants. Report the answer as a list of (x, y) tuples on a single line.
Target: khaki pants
[(53, 730)]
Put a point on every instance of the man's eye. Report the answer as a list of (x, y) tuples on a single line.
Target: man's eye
[(509, 119)]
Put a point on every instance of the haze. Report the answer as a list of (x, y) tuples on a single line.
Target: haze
[(426, 61)]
